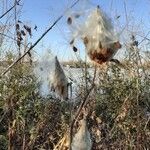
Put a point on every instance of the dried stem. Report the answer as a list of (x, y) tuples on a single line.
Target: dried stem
[(10, 9), (42, 36)]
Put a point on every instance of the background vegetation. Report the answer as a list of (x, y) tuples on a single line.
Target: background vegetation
[(118, 105)]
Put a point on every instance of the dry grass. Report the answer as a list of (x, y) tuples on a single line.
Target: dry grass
[(118, 107)]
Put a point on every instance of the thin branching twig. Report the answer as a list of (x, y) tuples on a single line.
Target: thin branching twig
[(14, 39), (10, 9), (42, 36)]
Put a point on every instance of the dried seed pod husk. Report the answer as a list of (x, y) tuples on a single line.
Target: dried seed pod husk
[(98, 35), (82, 139), (59, 81), (100, 41)]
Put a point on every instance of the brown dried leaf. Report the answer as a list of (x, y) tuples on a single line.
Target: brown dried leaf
[(28, 29), (19, 37), (23, 33), (18, 43), (17, 26)]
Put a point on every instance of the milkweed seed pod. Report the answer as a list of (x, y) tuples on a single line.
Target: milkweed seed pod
[(99, 36), (59, 83), (104, 54), (82, 139), (100, 40)]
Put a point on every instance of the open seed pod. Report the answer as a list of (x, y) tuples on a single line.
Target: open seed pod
[(82, 139), (103, 54), (58, 80), (100, 40), (98, 35)]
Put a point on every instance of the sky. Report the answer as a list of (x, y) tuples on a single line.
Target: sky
[(134, 16)]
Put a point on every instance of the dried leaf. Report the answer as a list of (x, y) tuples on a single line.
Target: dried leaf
[(35, 28), (19, 21), (18, 43), (23, 33), (17, 26), (31, 61), (29, 53), (85, 40), (28, 29), (19, 37), (118, 17)]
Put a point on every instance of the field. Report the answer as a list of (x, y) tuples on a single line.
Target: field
[(113, 97)]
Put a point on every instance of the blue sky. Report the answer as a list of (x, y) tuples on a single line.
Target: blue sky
[(44, 12)]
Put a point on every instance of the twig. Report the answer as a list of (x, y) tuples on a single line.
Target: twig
[(3, 116), (145, 37), (58, 19), (126, 16), (14, 39), (8, 36), (10, 9), (60, 143), (147, 123), (111, 132)]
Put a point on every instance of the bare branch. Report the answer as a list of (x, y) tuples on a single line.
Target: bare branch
[(42, 36), (10, 9)]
